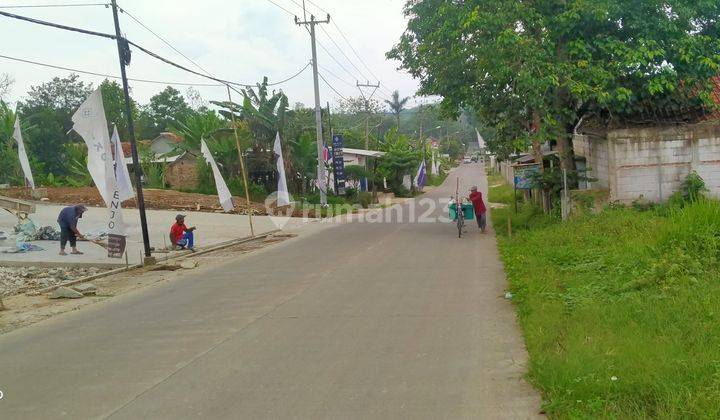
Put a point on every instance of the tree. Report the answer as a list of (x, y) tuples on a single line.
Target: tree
[(534, 69), (48, 111), (400, 158), (164, 109), (6, 83), (265, 114), (397, 105), (8, 150), (114, 104)]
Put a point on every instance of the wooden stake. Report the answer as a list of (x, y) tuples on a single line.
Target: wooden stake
[(242, 164), (509, 227)]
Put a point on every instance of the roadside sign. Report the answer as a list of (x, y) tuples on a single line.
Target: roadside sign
[(338, 164), (523, 179), (116, 245)]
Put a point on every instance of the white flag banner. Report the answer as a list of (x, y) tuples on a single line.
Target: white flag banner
[(433, 165), (222, 189), (116, 223), (122, 176), (90, 123), (283, 197), (22, 154), (481, 141)]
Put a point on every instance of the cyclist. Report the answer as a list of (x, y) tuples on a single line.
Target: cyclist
[(479, 207)]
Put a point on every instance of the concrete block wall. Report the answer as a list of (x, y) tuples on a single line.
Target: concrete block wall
[(595, 151), (653, 162)]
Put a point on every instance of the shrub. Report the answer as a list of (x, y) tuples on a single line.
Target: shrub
[(364, 199), (692, 188)]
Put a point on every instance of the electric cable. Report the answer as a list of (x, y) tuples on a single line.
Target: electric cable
[(38, 6)]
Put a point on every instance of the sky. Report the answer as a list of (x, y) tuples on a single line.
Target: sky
[(237, 40)]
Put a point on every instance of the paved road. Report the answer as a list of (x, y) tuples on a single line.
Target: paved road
[(381, 320)]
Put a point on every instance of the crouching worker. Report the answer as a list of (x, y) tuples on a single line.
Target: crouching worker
[(68, 220), (181, 235)]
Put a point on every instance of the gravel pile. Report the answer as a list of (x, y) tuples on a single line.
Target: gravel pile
[(15, 280)]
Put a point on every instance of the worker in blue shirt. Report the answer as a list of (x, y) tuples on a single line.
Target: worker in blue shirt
[(68, 220)]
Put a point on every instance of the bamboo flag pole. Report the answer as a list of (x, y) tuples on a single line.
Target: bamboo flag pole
[(242, 164)]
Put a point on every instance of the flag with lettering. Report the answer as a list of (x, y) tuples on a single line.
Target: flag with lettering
[(90, 123), (122, 175)]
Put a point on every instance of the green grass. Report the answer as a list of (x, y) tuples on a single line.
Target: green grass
[(625, 294), (499, 191)]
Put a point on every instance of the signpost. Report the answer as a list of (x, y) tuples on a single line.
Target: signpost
[(338, 164), (523, 178)]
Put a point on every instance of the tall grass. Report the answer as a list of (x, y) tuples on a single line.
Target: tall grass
[(621, 311)]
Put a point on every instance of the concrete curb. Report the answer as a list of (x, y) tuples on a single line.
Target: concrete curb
[(168, 258)]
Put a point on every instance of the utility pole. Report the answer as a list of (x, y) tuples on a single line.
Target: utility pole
[(318, 110), (367, 107), (124, 57)]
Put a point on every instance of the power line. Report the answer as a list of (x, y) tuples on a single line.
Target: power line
[(286, 10), (331, 86), (125, 11), (335, 60), (325, 69), (38, 63), (145, 50), (57, 25), (347, 41), (343, 53), (37, 6)]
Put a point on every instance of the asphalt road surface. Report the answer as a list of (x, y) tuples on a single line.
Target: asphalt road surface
[(361, 320)]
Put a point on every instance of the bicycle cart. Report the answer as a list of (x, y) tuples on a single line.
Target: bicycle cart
[(467, 213)]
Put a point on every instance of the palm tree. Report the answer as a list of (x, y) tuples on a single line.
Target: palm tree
[(397, 105)]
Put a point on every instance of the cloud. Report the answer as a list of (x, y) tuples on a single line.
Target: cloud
[(240, 40)]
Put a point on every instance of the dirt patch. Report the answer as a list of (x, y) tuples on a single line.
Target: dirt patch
[(15, 280), (154, 199), (22, 310)]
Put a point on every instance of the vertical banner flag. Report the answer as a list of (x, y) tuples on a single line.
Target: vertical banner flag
[(222, 189), (22, 154), (90, 123), (283, 197), (433, 165), (338, 163), (481, 141), (122, 175), (420, 176), (116, 224)]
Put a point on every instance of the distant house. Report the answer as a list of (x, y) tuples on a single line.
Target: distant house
[(359, 156), (182, 172), (165, 143)]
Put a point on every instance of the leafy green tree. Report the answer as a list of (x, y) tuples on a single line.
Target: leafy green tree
[(304, 155), (534, 69), (114, 104), (400, 159), (47, 111), (8, 148), (163, 110), (397, 105), (265, 114)]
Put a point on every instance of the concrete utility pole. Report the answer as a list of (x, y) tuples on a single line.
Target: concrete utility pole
[(367, 107), (124, 56), (318, 110)]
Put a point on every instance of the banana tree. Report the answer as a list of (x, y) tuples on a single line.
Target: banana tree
[(265, 114)]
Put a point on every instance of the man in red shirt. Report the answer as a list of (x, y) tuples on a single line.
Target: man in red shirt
[(181, 235), (479, 207)]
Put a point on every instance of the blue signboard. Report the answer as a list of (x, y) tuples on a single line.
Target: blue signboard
[(338, 164), (524, 176)]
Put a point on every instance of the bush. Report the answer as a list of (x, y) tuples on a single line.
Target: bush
[(692, 188), (364, 199)]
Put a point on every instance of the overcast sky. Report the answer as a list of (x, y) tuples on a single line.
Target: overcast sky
[(238, 40)]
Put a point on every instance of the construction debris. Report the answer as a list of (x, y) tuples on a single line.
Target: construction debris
[(87, 289), (15, 280), (65, 293)]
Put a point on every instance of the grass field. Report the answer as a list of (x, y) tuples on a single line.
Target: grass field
[(621, 310)]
